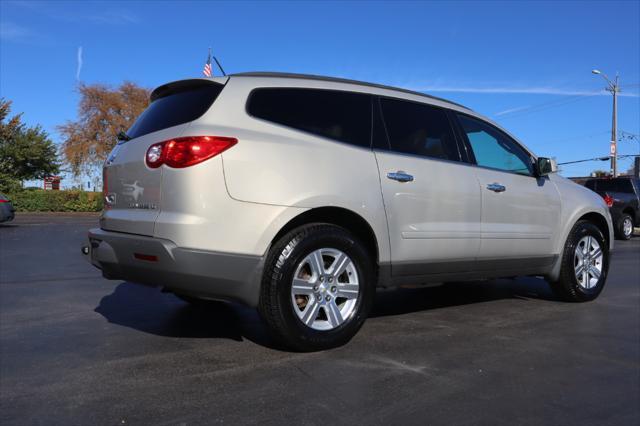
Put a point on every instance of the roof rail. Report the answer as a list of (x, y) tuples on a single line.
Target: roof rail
[(340, 80)]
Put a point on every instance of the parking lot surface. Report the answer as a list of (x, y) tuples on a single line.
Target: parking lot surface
[(78, 349)]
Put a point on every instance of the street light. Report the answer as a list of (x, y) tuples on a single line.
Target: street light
[(614, 88)]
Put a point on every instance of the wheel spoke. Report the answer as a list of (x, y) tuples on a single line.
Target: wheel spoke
[(339, 265), (594, 272), (310, 313), (585, 277), (333, 314), (348, 291), (597, 252), (587, 246), (316, 263), (579, 254), (580, 269), (301, 287)]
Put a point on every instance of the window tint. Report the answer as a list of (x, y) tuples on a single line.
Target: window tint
[(177, 107), (419, 129), (615, 185), (343, 116), (494, 149)]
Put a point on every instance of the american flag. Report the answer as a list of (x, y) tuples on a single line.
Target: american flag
[(207, 67)]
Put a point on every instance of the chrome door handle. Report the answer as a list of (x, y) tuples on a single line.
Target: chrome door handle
[(400, 176), (496, 187)]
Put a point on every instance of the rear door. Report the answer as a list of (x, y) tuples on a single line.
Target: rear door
[(133, 190), (520, 212), (432, 200)]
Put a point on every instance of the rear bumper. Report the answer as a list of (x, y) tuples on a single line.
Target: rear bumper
[(199, 273), (7, 212)]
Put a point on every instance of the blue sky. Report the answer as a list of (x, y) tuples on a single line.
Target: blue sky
[(524, 64)]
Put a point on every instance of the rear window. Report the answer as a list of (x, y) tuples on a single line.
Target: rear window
[(333, 114), (615, 185), (175, 107)]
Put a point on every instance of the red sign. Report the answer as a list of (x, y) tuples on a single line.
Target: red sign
[(51, 183)]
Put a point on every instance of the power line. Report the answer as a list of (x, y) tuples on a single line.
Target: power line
[(599, 159)]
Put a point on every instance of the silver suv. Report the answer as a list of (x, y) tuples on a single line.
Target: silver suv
[(299, 195)]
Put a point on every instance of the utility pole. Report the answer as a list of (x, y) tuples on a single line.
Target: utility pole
[(614, 88)]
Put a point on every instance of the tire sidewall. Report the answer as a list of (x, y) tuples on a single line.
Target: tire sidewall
[(579, 292), (335, 238), (625, 236)]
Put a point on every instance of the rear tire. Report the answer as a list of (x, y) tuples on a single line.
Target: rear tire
[(624, 230), (317, 287), (585, 264)]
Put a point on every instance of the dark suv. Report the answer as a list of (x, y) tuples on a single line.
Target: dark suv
[(622, 195)]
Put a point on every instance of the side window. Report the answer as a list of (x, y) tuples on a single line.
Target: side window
[(419, 129), (494, 149), (343, 116)]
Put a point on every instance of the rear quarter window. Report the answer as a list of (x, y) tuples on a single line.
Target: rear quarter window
[(615, 185), (174, 107), (333, 114)]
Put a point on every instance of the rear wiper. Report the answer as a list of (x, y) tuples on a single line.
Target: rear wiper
[(123, 137)]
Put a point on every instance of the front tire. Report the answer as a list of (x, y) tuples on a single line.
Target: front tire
[(585, 264), (624, 230), (317, 287)]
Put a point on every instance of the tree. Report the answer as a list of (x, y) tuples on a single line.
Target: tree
[(103, 112), (25, 152)]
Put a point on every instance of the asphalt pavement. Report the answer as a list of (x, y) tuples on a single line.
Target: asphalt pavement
[(78, 349)]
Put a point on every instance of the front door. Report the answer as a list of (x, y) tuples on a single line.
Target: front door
[(520, 212)]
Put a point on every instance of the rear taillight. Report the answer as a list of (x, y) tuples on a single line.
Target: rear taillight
[(608, 199), (3, 200), (187, 151)]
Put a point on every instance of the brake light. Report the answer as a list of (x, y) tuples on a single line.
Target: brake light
[(2, 200), (608, 199), (187, 151)]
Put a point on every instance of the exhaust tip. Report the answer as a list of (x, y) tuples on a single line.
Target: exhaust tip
[(85, 250)]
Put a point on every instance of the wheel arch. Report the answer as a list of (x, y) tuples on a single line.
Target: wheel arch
[(599, 220), (629, 210), (338, 216)]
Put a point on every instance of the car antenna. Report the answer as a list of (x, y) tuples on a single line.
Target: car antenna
[(219, 66)]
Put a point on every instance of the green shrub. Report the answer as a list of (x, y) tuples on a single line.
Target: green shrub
[(56, 201)]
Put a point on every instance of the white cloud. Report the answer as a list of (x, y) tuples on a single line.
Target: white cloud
[(114, 17), (79, 68), (511, 110), (531, 90), (81, 14), (10, 31)]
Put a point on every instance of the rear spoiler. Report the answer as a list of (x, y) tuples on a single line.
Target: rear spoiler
[(184, 85)]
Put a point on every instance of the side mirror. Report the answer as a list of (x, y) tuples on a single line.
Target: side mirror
[(545, 166)]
